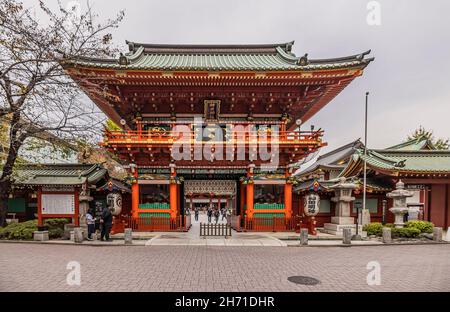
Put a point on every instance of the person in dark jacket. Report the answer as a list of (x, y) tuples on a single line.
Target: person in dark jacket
[(217, 215), (196, 212), (90, 221), (209, 213), (106, 222)]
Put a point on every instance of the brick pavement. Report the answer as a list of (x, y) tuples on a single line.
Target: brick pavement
[(29, 267)]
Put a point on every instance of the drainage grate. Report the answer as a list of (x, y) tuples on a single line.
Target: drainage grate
[(303, 280)]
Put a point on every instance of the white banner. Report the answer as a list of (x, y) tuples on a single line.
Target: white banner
[(63, 204)]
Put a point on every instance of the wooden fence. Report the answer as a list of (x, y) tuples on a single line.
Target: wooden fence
[(212, 229)]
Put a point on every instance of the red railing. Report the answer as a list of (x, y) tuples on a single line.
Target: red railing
[(154, 224), (237, 137), (270, 224)]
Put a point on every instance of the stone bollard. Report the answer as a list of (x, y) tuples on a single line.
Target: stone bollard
[(346, 236), (78, 236), (387, 235), (437, 234), (303, 237), (128, 236), (40, 236)]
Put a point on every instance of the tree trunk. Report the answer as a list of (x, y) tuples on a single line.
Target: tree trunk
[(6, 178), (5, 188)]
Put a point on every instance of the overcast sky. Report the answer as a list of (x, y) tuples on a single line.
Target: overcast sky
[(408, 80)]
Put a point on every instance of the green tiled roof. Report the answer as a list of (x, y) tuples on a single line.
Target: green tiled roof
[(58, 174), (373, 184), (219, 57), (421, 143), (433, 161)]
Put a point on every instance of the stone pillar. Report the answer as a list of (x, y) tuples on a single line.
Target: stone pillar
[(387, 235), (437, 234), (342, 219), (128, 236), (41, 236), (78, 235), (303, 237), (347, 236), (399, 208), (83, 206)]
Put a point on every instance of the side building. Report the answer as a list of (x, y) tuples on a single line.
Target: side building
[(424, 170)]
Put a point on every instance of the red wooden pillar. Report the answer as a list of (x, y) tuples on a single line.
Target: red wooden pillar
[(250, 192), (135, 196), (218, 202), (173, 193), (39, 206), (77, 208), (178, 199), (288, 197), (242, 199)]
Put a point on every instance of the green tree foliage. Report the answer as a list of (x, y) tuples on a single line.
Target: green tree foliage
[(111, 126)]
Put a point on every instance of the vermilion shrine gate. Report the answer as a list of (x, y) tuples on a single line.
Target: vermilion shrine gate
[(213, 122)]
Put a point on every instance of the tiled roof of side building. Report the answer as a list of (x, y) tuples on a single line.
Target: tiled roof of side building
[(421, 143), (333, 158), (276, 57), (59, 174), (395, 161)]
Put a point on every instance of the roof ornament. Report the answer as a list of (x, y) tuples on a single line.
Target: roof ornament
[(289, 46), (130, 45), (123, 59), (400, 164), (303, 61)]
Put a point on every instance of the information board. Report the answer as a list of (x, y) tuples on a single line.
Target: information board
[(58, 204)]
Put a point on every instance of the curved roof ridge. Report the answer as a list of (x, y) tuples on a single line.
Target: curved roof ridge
[(159, 47), (359, 56)]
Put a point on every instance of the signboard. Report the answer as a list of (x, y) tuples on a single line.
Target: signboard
[(311, 207), (58, 189), (58, 204)]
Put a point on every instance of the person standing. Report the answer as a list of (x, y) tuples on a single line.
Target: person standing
[(209, 213), (196, 212), (90, 221), (106, 222), (216, 215)]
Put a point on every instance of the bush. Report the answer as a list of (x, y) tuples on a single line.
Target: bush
[(375, 228), (422, 226), (407, 232), (19, 231), (25, 230)]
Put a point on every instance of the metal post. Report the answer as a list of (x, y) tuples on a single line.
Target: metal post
[(365, 159)]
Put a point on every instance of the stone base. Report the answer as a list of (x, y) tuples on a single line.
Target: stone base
[(447, 236), (41, 236), (343, 220), (68, 228), (337, 229)]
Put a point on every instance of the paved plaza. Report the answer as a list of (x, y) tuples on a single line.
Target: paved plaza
[(41, 267)]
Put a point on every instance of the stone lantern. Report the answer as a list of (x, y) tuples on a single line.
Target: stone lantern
[(400, 208), (342, 219)]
